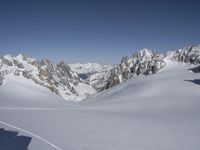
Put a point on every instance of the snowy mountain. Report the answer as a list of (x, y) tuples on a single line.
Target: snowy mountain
[(189, 54), (76, 82), (144, 62), (59, 78), (147, 62), (94, 74), (156, 108), (87, 69), (154, 112)]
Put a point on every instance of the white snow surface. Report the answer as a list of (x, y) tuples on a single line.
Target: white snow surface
[(155, 112)]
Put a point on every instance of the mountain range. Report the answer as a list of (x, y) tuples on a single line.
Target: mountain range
[(149, 101), (75, 82)]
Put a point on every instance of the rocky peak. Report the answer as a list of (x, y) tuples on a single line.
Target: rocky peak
[(144, 54), (59, 78), (21, 56), (143, 62), (45, 62), (64, 79), (8, 60), (189, 54), (194, 49)]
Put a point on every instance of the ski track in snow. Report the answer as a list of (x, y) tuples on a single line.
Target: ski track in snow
[(32, 134), (31, 108)]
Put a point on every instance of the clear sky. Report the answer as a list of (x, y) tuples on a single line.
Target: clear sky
[(96, 30)]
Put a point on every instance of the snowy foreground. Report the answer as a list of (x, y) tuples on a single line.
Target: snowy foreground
[(155, 112)]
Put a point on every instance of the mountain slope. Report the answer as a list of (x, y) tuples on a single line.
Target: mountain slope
[(142, 62), (17, 91), (59, 78), (159, 111), (149, 62), (76, 82)]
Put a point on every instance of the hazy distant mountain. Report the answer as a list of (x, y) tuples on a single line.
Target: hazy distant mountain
[(94, 74)]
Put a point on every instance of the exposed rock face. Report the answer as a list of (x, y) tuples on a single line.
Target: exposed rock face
[(143, 62), (113, 80), (1, 78), (190, 54), (18, 64), (7, 60), (99, 80), (59, 78)]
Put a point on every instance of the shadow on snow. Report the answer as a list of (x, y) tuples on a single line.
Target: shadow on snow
[(10, 140), (195, 69), (196, 81)]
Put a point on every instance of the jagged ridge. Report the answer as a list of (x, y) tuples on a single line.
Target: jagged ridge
[(64, 81), (59, 78), (143, 62)]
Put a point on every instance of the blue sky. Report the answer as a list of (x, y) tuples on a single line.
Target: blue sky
[(96, 30)]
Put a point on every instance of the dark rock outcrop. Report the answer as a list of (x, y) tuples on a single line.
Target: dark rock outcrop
[(144, 62), (190, 54)]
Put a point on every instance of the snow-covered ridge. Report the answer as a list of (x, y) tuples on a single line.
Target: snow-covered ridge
[(189, 54), (59, 78), (78, 81), (143, 62), (148, 62)]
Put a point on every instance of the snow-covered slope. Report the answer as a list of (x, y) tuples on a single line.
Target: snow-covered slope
[(77, 81), (149, 62), (59, 78), (18, 92), (154, 112), (87, 79), (142, 62)]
